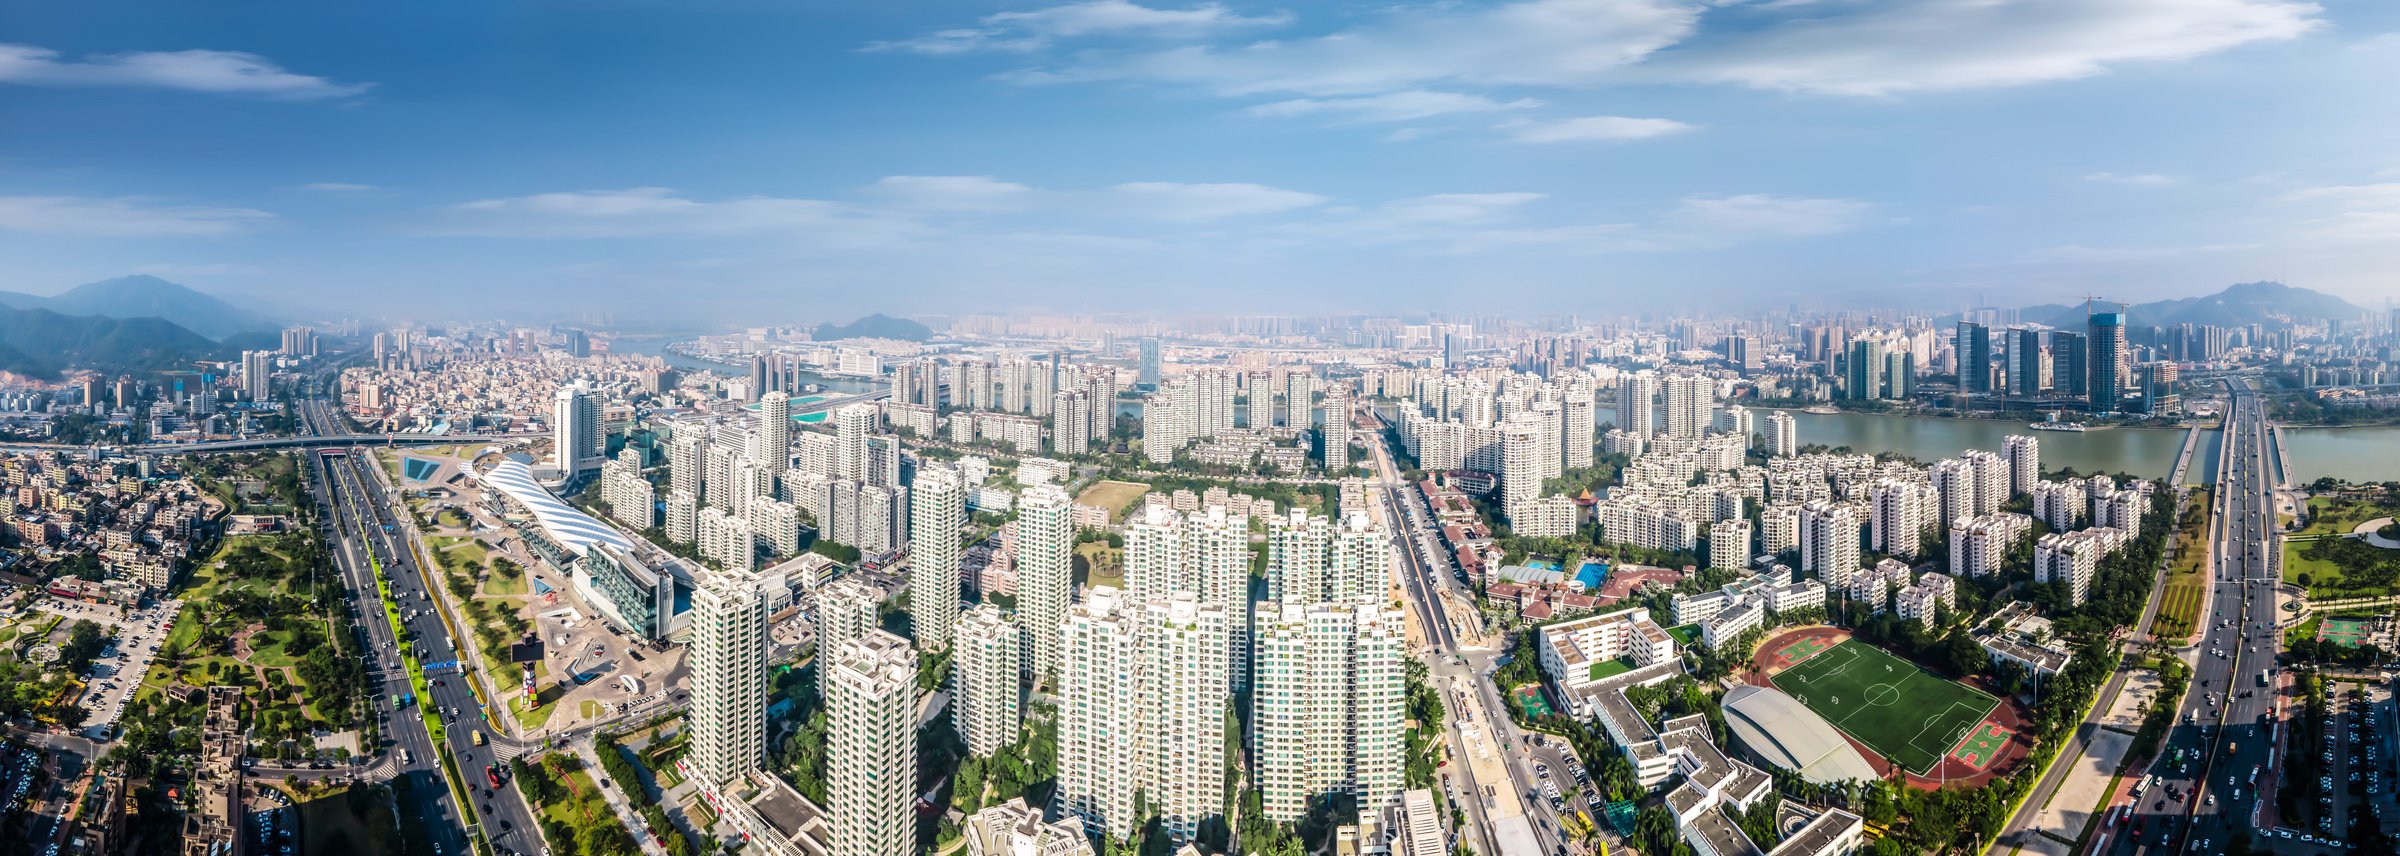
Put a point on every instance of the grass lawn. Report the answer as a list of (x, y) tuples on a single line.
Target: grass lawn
[(530, 719), (588, 708), (2327, 517), (1107, 564), (1612, 668), (1112, 495), (267, 649), (500, 586), (2307, 629), (2324, 578), (1907, 714), (1685, 635), (2187, 581)]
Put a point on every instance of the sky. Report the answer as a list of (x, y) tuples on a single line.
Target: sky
[(765, 161)]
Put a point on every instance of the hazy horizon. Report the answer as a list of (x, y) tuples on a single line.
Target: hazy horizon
[(715, 162)]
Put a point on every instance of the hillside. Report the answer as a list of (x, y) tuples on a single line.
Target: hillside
[(41, 342), (142, 296), (2237, 305), (878, 326)]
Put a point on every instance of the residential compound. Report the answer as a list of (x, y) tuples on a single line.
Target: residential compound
[(135, 518)]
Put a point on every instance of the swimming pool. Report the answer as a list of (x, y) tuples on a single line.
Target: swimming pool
[(1591, 575), (1542, 564)]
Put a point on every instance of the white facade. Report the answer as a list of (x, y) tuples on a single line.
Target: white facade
[(1327, 705), (1045, 572), (728, 655), (871, 746), (986, 659), (937, 509)]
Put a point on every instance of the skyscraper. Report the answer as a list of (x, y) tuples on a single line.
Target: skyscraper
[(1336, 429), (1299, 399), (1045, 572), (2067, 357), (937, 508), (258, 375), (851, 425), (986, 660), (728, 655), (775, 430), (2106, 360), (1150, 363), (2025, 362), (1974, 350), (1689, 398), (871, 746), (1783, 435), (1637, 403), (575, 430), (1864, 367), (2024, 454), (1326, 712)]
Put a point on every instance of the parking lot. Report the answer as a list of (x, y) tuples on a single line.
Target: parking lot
[(271, 827), (135, 635)]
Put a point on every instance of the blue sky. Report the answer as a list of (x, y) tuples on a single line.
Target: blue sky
[(796, 160)]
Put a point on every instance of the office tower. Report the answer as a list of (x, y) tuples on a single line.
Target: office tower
[(2024, 454), (758, 378), (728, 655), (1148, 373), (2069, 354), (1575, 432), (871, 746), (2025, 362), (2105, 361), (576, 343), (1454, 350), (1326, 712), (1743, 353), (986, 658), (1337, 428), (1299, 399), (1045, 572), (775, 430), (1829, 535), (1974, 352), (1783, 435), (1729, 544), (1689, 399), (575, 430), (258, 375), (937, 510), (1637, 401), (1864, 368)]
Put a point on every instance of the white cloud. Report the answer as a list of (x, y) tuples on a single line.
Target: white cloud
[(1767, 215), (1118, 16), (1530, 42), (956, 41), (192, 70), (1391, 106), (1884, 48), (2139, 179), (2079, 254), (1175, 201), (337, 187), (1594, 129), (658, 212), (1035, 29), (951, 192), (2356, 212), (121, 218)]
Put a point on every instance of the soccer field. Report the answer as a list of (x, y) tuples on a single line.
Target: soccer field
[(1905, 713)]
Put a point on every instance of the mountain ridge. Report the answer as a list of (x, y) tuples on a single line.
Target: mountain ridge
[(2232, 306), (146, 296)]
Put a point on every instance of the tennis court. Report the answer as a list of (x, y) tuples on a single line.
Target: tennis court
[(2351, 632), (1904, 713)]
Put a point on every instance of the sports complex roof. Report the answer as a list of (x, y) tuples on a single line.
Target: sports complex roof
[(571, 528), (1784, 732)]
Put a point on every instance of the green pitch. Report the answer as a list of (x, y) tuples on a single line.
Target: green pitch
[(1903, 712)]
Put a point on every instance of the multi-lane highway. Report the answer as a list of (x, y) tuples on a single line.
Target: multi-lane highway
[(1502, 818), (373, 530), (2204, 790)]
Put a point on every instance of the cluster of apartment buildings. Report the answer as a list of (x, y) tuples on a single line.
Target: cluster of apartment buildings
[(140, 526)]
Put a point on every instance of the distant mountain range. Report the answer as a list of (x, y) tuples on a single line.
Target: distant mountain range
[(143, 296), (2237, 305), (876, 326), (127, 324)]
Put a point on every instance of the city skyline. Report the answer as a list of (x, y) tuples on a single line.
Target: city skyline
[(1542, 156)]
